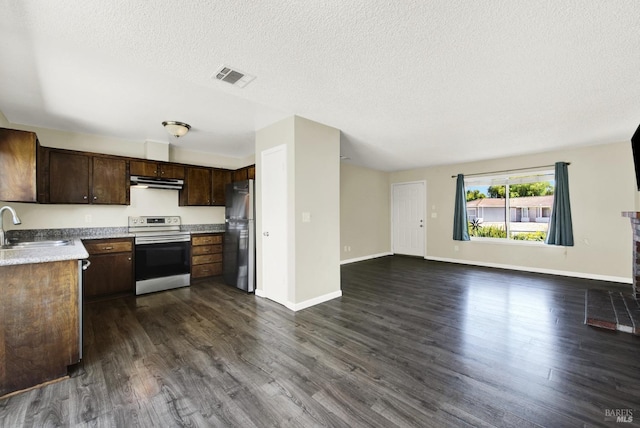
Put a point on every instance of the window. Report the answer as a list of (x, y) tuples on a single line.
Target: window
[(515, 206)]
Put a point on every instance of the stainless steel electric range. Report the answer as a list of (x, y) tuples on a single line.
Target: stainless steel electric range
[(162, 253)]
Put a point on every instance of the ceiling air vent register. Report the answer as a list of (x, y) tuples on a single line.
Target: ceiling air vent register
[(233, 76)]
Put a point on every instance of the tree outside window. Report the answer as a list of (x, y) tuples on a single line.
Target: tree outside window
[(515, 207)]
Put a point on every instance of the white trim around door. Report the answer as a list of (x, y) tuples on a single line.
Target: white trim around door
[(408, 221)]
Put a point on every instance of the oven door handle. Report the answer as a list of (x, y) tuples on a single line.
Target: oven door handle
[(144, 240)]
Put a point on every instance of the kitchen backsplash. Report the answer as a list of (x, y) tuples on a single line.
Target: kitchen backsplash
[(97, 232)]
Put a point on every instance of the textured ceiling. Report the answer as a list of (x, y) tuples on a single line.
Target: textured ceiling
[(409, 83)]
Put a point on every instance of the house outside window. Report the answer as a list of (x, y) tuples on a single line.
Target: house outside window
[(514, 207)]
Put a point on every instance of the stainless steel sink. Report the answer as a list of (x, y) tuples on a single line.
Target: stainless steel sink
[(36, 244)]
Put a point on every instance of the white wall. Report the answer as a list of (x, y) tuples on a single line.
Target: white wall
[(317, 192), (313, 186), (282, 132), (143, 201), (365, 214), (602, 185)]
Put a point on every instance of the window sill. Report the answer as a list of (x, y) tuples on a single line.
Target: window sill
[(504, 241)]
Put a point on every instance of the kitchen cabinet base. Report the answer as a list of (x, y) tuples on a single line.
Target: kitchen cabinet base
[(40, 385), (206, 255), (39, 323)]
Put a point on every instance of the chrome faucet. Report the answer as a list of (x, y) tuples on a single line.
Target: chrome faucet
[(16, 220)]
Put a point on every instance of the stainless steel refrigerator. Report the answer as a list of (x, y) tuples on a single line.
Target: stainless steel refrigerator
[(239, 238)]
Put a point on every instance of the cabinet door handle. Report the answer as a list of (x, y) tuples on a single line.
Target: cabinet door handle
[(95, 197), (129, 258), (108, 248), (85, 197)]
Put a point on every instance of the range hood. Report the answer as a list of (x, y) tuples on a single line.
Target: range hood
[(157, 183)]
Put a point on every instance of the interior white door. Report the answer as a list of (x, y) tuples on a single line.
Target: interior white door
[(274, 224), (408, 218)]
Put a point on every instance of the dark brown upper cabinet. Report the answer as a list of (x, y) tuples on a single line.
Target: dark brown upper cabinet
[(246, 173), (18, 154), (240, 174), (110, 183), (197, 190), (80, 178), (156, 169), (205, 186), (221, 177), (68, 178), (32, 173)]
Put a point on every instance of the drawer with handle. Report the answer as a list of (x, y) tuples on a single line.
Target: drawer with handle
[(207, 258), (209, 269), (105, 246), (206, 249), (206, 240)]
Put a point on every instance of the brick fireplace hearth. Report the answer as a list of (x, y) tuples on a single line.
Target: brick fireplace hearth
[(634, 216)]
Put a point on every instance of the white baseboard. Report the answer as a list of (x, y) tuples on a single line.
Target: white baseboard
[(359, 259), (307, 303), (315, 301), (583, 275)]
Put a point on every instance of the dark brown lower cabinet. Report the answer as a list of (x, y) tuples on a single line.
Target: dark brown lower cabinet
[(111, 271), (206, 255), (39, 323)]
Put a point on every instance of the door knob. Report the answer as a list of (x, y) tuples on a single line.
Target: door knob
[(265, 233)]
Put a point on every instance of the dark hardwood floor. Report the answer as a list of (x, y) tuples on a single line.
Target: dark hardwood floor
[(411, 343)]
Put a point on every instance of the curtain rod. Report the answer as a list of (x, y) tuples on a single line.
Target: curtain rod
[(509, 170)]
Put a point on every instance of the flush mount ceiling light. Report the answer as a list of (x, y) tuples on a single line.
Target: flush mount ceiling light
[(177, 129)]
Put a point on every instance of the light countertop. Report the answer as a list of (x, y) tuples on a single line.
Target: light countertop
[(20, 256)]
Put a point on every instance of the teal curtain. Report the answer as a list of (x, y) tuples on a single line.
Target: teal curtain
[(560, 226), (460, 222)]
